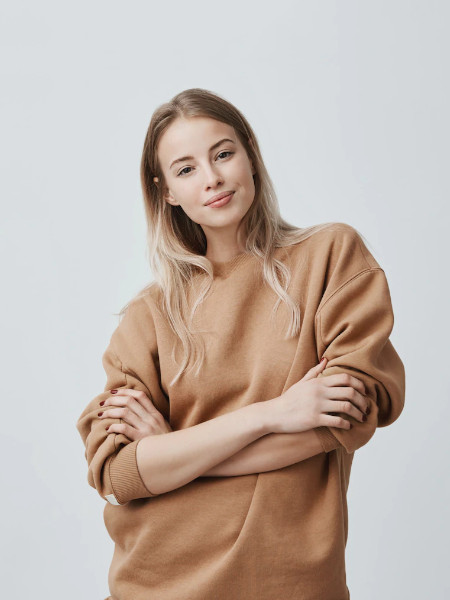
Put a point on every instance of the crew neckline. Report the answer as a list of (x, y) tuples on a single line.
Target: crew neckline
[(227, 266)]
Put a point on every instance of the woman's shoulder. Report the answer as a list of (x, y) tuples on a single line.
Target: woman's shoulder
[(142, 305), (137, 323), (327, 234), (334, 252), (336, 242)]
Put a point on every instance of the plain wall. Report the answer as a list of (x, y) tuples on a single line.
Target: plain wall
[(349, 101)]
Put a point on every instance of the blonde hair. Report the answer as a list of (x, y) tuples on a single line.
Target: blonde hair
[(176, 245)]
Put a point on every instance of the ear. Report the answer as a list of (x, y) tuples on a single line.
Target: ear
[(169, 198)]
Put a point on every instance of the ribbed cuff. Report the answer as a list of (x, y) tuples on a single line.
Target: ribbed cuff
[(327, 439), (126, 480)]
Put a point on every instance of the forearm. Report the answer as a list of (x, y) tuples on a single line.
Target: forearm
[(273, 451), (171, 460)]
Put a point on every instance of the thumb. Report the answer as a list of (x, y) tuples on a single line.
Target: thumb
[(314, 371)]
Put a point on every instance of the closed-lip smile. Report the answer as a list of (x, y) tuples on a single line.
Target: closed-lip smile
[(219, 196)]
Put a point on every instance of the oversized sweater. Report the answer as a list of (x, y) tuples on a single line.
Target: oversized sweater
[(275, 535)]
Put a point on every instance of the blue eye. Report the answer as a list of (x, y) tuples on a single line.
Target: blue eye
[(223, 152)]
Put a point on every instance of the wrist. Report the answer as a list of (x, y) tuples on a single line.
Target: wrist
[(265, 415)]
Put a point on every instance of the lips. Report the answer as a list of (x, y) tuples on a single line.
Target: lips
[(218, 197)]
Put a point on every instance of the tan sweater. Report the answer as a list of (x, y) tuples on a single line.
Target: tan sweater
[(280, 534)]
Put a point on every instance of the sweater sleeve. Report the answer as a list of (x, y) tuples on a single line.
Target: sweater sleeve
[(130, 361), (353, 328)]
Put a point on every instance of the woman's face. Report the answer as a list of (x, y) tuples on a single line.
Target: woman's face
[(217, 162)]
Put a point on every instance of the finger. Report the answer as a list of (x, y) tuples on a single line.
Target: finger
[(344, 407), (314, 371), (334, 421), (121, 413), (360, 401), (345, 379), (129, 402), (130, 432), (138, 395)]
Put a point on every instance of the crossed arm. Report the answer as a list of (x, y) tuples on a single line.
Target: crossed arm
[(270, 452), (166, 462)]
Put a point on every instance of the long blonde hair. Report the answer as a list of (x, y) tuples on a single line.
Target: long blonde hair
[(176, 245)]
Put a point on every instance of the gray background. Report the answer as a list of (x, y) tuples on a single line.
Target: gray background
[(349, 101)]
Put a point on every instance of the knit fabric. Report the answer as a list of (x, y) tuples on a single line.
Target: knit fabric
[(274, 535)]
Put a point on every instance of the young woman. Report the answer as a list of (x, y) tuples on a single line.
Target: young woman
[(221, 442)]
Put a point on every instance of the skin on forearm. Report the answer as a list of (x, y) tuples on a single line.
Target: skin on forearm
[(270, 452), (171, 460)]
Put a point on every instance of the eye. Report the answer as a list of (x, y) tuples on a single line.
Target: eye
[(225, 152), (183, 171), (178, 174)]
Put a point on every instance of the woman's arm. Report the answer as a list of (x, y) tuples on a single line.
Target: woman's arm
[(270, 452), (171, 460)]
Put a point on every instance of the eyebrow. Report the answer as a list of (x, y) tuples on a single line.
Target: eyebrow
[(183, 158)]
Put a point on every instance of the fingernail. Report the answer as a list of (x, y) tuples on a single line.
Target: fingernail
[(102, 403), (113, 391), (100, 414), (107, 428), (323, 358), (364, 418)]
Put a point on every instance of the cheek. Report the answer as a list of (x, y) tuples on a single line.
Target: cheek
[(247, 182), (191, 202), (245, 176), (188, 194)]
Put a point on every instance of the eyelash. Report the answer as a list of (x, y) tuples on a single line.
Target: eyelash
[(179, 174)]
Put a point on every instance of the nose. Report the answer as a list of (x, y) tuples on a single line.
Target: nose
[(212, 176)]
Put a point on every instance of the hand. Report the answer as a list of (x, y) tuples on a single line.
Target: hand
[(307, 403), (137, 410)]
